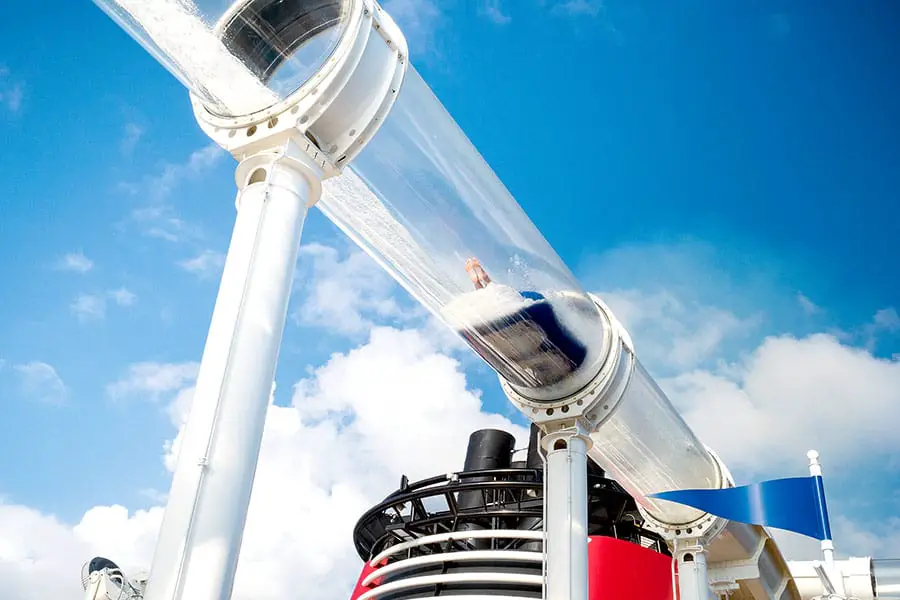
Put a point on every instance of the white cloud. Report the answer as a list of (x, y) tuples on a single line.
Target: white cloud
[(671, 334), (590, 8), (12, 91), (761, 402), (131, 134), (158, 219), (123, 297), (790, 395), (418, 18), (89, 307), (40, 557), (76, 262), (338, 449), (161, 221), (886, 319), (92, 307), (152, 379), (161, 184), (41, 382), (807, 306), (494, 12), (695, 274), (344, 294), (207, 264), (850, 539), (884, 322), (346, 437)]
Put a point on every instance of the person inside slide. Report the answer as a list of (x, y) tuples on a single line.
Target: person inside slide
[(516, 331)]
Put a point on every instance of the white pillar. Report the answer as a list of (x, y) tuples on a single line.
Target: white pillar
[(831, 568), (693, 576), (199, 542), (566, 515)]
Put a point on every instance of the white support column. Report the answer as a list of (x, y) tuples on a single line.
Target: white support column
[(693, 575), (832, 570), (566, 515), (199, 542), (815, 470)]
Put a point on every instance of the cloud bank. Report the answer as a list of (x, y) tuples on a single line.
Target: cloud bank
[(399, 403)]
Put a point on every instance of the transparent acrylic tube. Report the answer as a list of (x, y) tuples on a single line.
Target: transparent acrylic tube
[(420, 199), (237, 57), (647, 447), (886, 575)]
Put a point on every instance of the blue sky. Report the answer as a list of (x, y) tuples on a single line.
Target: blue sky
[(724, 169)]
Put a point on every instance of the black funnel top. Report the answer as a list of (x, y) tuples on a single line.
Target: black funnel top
[(489, 449)]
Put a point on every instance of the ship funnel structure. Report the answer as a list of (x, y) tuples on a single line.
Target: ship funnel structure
[(488, 449), (478, 532)]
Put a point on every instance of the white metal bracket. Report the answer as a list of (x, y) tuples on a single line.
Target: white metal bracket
[(596, 401), (693, 573), (565, 514), (724, 576), (340, 108)]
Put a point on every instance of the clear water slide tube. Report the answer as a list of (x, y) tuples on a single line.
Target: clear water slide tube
[(421, 200), (227, 54), (412, 191)]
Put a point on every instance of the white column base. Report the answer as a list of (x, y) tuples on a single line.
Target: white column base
[(565, 515)]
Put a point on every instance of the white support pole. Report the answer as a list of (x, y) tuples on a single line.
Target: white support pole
[(199, 542), (693, 574), (831, 568), (566, 515), (815, 470)]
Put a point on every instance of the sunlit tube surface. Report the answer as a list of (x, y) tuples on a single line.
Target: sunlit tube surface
[(647, 447), (238, 57), (421, 200), (886, 573)]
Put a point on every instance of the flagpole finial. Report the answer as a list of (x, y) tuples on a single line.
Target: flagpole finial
[(815, 467)]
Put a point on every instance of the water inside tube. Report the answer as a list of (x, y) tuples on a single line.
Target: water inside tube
[(266, 51), (534, 339)]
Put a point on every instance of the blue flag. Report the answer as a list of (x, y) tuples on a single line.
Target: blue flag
[(795, 504)]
